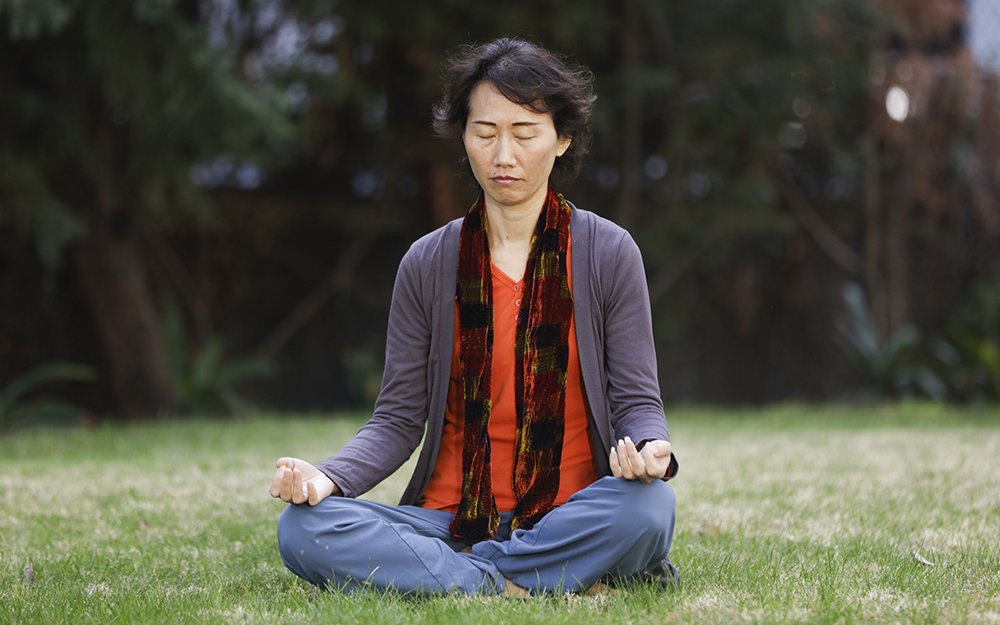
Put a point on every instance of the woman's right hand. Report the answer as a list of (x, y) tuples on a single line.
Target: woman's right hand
[(297, 481)]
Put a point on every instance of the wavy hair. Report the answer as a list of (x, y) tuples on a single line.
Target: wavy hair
[(528, 75)]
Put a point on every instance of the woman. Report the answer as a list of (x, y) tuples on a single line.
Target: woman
[(520, 340)]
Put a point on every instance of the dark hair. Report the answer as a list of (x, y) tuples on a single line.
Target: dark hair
[(530, 76)]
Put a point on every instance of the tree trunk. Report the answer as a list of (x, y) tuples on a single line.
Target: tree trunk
[(874, 234), (112, 280), (444, 190), (631, 144), (897, 240)]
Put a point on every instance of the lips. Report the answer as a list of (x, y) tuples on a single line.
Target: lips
[(504, 179)]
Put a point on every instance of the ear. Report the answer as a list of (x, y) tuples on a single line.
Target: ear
[(564, 143)]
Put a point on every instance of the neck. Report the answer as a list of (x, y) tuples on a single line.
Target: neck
[(513, 226)]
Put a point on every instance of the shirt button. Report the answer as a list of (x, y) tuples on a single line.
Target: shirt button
[(517, 287), (518, 302)]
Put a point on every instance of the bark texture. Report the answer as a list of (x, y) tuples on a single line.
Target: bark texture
[(111, 278)]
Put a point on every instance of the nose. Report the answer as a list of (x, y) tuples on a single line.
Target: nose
[(504, 155)]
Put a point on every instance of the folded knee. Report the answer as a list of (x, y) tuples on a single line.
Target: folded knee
[(302, 527), (657, 507), (293, 530), (649, 507)]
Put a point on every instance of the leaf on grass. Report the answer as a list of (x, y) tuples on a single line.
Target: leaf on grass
[(921, 559), (29, 574), (709, 531)]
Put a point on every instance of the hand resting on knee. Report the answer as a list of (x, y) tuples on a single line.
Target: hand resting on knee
[(297, 481), (649, 465)]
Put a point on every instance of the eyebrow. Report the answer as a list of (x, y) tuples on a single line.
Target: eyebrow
[(486, 123)]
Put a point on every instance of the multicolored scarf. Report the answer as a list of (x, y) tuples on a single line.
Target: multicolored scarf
[(541, 356)]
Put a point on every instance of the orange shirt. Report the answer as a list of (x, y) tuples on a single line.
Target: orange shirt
[(577, 470)]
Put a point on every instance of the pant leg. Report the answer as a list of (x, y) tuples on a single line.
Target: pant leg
[(353, 543), (614, 526)]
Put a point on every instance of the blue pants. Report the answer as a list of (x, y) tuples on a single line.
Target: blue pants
[(614, 528)]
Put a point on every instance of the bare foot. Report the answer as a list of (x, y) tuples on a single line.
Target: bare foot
[(513, 590), (600, 588), (510, 588)]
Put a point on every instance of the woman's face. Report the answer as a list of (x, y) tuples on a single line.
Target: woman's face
[(511, 149)]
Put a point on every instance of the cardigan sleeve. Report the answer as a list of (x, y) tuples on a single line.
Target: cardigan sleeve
[(633, 389), (392, 434)]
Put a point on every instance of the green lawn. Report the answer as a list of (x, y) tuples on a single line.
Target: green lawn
[(792, 514)]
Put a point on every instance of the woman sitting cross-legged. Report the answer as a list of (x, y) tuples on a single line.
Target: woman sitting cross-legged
[(520, 345)]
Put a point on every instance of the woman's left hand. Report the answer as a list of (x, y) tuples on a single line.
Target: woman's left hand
[(647, 465)]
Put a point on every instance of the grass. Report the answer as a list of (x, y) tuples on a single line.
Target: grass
[(790, 514)]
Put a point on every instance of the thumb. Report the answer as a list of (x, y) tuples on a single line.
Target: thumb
[(660, 449)]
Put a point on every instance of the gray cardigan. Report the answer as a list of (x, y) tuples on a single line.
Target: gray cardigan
[(614, 337)]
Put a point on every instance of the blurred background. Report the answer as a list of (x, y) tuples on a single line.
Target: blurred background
[(203, 202)]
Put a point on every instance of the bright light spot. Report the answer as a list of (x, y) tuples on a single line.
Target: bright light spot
[(326, 30), (364, 54), (327, 64), (298, 96), (375, 111), (249, 176), (897, 104), (699, 185), (837, 188), (224, 170), (366, 183), (655, 167), (321, 63), (607, 177), (801, 107), (289, 42), (212, 174), (792, 136)]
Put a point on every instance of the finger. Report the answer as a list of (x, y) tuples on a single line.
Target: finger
[(635, 459), (279, 474), (275, 489), (662, 453), (627, 471), (613, 461), (294, 486), (298, 489), (656, 467), (313, 494), (661, 449), (286, 484)]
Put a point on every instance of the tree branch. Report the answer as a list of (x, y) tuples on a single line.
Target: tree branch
[(665, 280), (828, 240), (340, 278)]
